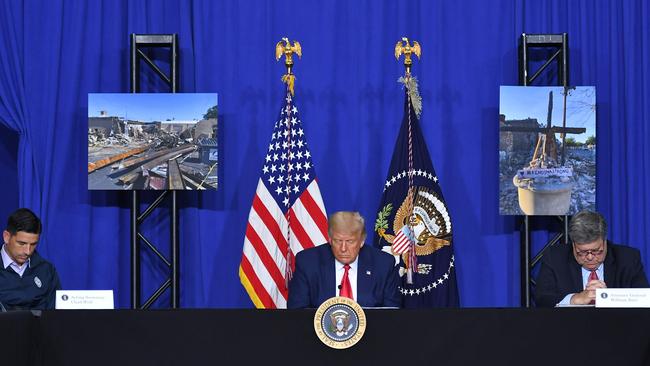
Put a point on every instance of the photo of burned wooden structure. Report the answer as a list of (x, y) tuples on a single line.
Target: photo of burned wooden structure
[(547, 160), (130, 154)]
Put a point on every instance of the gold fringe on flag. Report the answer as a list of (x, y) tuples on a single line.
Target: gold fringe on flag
[(411, 85), (290, 80)]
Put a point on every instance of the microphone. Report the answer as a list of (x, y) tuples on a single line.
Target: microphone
[(339, 287)]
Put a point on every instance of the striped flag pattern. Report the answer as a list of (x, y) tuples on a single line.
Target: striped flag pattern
[(287, 215), (403, 240)]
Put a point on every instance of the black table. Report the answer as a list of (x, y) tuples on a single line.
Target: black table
[(584, 336)]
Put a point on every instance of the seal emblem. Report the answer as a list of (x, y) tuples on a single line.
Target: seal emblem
[(429, 221), (340, 322), (38, 282)]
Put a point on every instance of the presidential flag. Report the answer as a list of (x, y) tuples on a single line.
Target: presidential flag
[(413, 221), (287, 215)]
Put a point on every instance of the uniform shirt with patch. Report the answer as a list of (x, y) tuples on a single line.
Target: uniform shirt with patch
[(36, 288)]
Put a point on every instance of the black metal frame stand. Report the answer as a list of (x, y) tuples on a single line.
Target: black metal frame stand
[(558, 47), (139, 44)]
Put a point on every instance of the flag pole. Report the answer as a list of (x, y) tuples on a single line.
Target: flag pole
[(289, 79), (411, 88), (280, 225)]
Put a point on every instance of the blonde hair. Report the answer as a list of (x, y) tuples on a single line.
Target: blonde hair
[(348, 222)]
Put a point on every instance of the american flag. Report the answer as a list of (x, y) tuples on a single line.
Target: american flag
[(287, 215), (403, 240)]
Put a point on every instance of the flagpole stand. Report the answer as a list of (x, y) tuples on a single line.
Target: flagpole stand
[(558, 47), (139, 44)]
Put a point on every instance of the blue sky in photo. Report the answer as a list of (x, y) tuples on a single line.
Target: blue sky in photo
[(521, 102), (147, 107)]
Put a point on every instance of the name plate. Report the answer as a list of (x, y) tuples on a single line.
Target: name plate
[(623, 298), (84, 299)]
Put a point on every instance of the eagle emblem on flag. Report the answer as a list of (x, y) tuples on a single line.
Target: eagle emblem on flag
[(429, 226)]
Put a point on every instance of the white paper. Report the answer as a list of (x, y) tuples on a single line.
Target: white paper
[(623, 298)]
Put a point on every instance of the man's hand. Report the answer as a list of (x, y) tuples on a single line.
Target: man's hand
[(589, 294)]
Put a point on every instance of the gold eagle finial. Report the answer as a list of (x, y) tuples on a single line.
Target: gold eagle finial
[(407, 50), (288, 50)]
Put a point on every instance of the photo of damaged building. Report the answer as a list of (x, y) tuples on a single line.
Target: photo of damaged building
[(131, 154), (547, 150)]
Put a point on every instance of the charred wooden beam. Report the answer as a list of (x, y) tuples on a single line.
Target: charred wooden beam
[(143, 159), (111, 159), (128, 165), (128, 178), (174, 176)]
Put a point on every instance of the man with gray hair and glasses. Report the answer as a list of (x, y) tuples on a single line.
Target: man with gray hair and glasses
[(570, 274)]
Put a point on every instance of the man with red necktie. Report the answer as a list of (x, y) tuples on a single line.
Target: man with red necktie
[(345, 267), (570, 274)]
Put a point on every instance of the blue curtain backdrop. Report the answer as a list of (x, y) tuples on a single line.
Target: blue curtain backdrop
[(52, 53), (9, 180)]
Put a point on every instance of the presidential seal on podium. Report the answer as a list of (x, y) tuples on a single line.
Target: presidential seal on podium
[(340, 322)]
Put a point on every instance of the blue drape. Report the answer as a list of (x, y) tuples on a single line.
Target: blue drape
[(53, 53)]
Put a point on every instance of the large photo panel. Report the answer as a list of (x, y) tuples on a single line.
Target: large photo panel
[(152, 141), (547, 150)]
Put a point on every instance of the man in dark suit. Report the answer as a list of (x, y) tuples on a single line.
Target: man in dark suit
[(570, 274), (345, 267)]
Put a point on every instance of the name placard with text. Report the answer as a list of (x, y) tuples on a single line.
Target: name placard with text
[(84, 299), (623, 298)]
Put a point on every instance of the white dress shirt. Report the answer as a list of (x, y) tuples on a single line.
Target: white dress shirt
[(7, 261), (600, 271)]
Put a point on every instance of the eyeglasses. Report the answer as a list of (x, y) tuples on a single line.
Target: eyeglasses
[(584, 253)]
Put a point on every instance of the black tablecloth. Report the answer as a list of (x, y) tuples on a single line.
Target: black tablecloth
[(286, 337)]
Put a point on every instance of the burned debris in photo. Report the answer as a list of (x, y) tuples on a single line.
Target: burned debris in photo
[(549, 167), (126, 154)]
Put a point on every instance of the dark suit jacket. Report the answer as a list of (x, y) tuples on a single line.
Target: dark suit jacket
[(561, 275), (36, 289), (314, 280)]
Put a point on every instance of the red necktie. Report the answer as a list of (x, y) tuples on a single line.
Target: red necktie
[(592, 276), (346, 288)]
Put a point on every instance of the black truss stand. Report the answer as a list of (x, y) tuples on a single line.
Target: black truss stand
[(140, 44), (554, 48)]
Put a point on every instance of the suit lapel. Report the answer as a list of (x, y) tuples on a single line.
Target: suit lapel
[(328, 280), (364, 278), (609, 272), (576, 271)]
